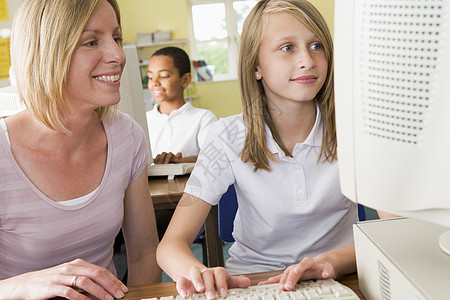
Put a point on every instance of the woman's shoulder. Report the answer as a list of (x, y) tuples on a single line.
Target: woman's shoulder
[(126, 133), (121, 118), (122, 122)]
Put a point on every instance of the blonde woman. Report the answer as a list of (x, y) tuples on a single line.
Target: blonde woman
[(280, 154), (73, 170)]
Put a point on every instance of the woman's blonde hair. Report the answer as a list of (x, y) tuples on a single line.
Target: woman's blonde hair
[(44, 36), (254, 102)]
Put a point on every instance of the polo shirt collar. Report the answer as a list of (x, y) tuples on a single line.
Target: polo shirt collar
[(186, 106), (314, 138)]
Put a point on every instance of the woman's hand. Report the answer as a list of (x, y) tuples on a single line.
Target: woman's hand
[(205, 281), (68, 280), (308, 268)]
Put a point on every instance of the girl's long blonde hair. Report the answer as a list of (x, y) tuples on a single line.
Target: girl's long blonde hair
[(254, 102), (44, 36)]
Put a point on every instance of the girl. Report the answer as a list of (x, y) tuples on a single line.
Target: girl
[(72, 171), (280, 154)]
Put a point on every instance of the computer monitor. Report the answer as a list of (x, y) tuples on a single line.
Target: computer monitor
[(132, 93), (9, 101), (392, 70)]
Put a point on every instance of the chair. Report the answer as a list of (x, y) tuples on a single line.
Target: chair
[(219, 226), (227, 212), (361, 212)]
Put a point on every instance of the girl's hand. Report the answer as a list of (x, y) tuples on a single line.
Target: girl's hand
[(68, 280), (308, 268), (203, 281)]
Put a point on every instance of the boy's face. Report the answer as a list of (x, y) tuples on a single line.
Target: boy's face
[(164, 81)]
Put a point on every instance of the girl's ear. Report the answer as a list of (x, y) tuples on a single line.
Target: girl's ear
[(186, 79)]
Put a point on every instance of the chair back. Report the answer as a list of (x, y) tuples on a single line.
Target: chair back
[(361, 213), (227, 211)]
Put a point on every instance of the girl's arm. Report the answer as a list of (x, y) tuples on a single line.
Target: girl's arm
[(332, 264), (140, 234), (174, 254), (177, 260), (385, 215)]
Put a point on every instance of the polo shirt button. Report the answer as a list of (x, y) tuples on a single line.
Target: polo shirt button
[(300, 192)]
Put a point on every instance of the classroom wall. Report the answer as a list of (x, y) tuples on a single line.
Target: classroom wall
[(6, 17), (147, 16)]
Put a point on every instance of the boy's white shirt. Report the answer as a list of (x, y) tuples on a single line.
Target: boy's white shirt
[(184, 130)]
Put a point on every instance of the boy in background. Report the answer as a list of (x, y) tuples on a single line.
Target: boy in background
[(177, 129)]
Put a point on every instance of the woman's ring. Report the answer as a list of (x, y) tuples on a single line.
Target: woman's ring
[(74, 282)]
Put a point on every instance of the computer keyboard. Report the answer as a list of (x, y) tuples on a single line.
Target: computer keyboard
[(170, 170), (306, 290)]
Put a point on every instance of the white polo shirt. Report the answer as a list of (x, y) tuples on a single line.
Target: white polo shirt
[(294, 211), (184, 130)]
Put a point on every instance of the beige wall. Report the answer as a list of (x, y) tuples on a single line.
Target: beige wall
[(150, 15), (326, 8)]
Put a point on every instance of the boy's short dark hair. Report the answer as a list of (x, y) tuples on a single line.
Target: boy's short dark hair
[(179, 56)]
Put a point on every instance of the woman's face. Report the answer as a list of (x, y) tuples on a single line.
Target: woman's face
[(291, 60), (97, 62)]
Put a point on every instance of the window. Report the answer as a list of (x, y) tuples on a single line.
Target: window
[(216, 28)]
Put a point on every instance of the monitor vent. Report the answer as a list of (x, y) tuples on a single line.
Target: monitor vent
[(384, 282), (400, 48), (9, 101)]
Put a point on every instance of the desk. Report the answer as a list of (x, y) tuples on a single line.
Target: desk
[(167, 193), (169, 288)]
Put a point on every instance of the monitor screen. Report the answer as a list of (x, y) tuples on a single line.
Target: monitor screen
[(392, 70)]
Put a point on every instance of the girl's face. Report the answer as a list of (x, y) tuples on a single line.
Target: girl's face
[(291, 60), (164, 80), (97, 62)]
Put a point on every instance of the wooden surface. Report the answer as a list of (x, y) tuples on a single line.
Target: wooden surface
[(166, 193), (169, 289)]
